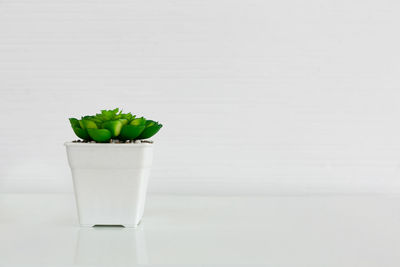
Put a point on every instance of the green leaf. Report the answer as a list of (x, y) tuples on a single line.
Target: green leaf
[(124, 121), (113, 126), (130, 132), (99, 135), (74, 123), (81, 124), (76, 127), (138, 121), (81, 133), (107, 115), (150, 131), (150, 123), (127, 116), (89, 124)]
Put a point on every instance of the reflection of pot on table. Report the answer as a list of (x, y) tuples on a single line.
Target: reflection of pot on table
[(111, 245)]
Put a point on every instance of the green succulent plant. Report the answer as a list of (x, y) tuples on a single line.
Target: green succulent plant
[(113, 124)]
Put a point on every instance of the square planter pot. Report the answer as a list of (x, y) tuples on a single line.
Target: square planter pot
[(110, 181)]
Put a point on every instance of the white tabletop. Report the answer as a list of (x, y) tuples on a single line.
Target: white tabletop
[(42, 230)]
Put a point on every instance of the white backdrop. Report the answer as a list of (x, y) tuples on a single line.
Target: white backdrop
[(255, 96)]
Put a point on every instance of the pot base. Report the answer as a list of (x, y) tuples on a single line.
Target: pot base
[(110, 225)]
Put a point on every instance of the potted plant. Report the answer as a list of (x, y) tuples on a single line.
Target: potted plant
[(110, 166)]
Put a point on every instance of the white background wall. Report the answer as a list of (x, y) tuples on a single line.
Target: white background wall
[(255, 96)]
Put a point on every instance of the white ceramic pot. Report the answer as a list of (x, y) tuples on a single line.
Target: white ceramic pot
[(110, 181)]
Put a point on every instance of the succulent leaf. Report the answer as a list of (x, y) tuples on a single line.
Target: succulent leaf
[(128, 116), (81, 133), (113, 126), (150, 123), (150, 131), (99, 135), (89, 124), (81, 124), (74, 122), (124, 121), (138, 121), (130, 132)]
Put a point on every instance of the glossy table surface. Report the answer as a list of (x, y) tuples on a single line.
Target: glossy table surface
[(42, 230)]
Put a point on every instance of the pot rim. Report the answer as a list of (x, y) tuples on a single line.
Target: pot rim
[(70, 143)]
